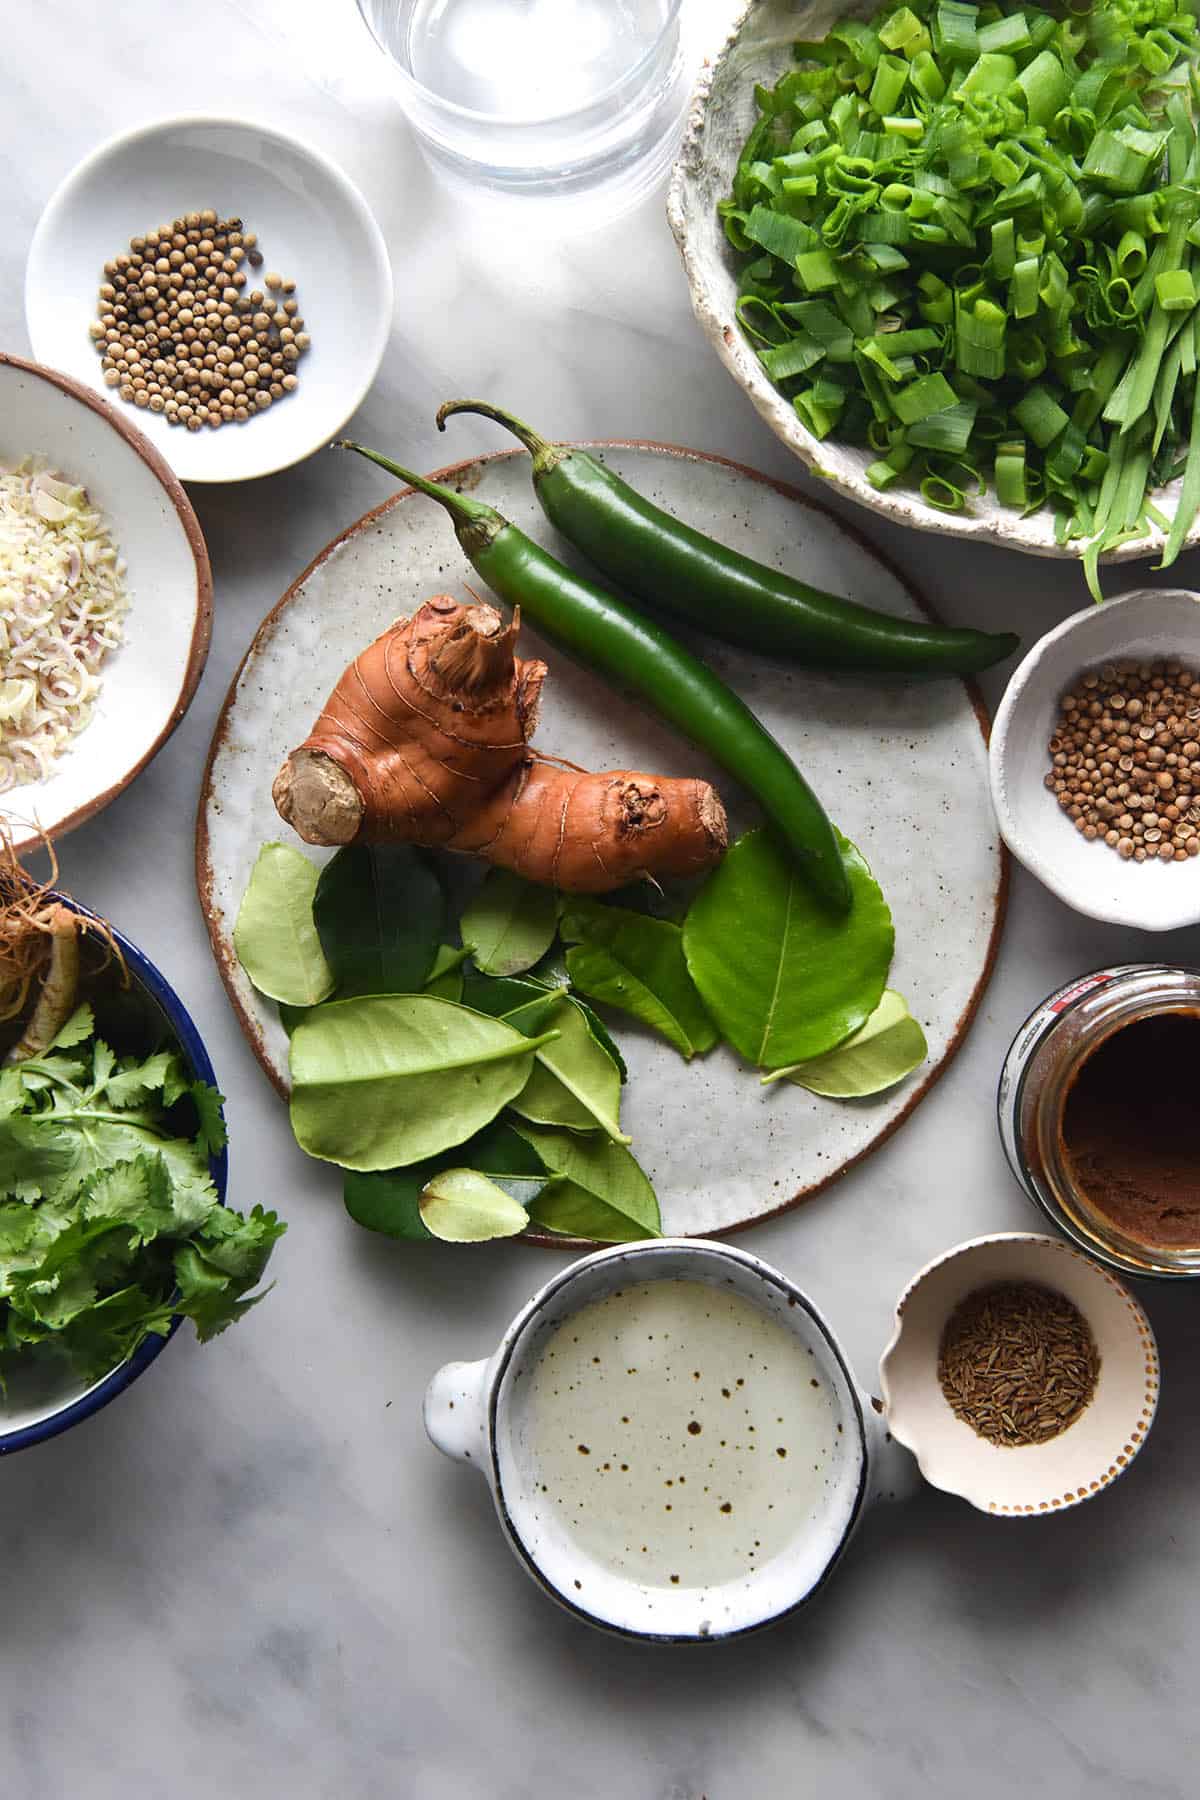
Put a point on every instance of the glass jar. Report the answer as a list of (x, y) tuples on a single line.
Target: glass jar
[(1043, 1061)]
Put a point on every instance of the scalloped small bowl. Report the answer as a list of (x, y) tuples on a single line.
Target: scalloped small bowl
[(1150, 623), (755, 45), (42, 1398), (1033, 1479)]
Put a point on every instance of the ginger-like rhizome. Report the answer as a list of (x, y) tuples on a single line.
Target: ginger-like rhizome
[(425, 740)]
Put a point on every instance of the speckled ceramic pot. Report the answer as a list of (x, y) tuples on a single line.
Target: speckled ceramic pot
[(480, 1413)]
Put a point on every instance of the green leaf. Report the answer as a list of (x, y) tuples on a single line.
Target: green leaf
[(600, 1191), (445, 978), (78, 1028), (136, 1082), (508, 923), (275, 938), (461, 1206), (378, 1082), (882, 1052), (379, 911), (389, 1200), (503, 995), (218, 1268), (574, 1081), (783, 978), (627, 960), (208, 1103)]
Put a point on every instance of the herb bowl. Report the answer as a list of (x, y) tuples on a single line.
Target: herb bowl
[(1150, 623), (43, 1399), (755, 46), (313, 225), (1019, 1482)]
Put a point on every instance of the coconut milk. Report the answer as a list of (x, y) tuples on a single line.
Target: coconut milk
[(679, 1434)]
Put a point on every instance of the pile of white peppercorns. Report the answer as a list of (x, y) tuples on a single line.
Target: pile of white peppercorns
[(183, 333), (1125, 759)]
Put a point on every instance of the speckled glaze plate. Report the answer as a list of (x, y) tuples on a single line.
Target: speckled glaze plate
[(903, 769)]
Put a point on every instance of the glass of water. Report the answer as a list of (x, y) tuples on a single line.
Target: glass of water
[(547, 97)]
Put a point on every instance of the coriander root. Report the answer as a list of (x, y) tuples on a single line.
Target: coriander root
[(39, 952), (425, 740)]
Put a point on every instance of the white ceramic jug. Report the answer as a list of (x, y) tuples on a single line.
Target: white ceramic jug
[(479, 1413)]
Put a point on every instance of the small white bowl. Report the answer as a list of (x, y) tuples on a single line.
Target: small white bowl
[(313, 225), (147, 683), (1091, 877), (1018, 1482)]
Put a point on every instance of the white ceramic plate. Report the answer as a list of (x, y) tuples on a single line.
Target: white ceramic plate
[(755, 46), (149, 681), (1150, 623), (313, 226), (902, 768)]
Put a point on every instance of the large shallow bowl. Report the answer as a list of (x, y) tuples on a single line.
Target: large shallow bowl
[(147, 683), (313, 226), (42, 1399), (754, 45)]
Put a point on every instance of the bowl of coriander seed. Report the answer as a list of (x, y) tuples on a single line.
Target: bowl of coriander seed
[(221, 284), (1095, 760)]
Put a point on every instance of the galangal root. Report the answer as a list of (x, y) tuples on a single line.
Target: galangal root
[(425, 740)]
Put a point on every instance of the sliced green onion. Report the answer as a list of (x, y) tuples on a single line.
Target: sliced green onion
[(979, 340), (1040, 416), (1010, 475), (969, 240), (948, 431), (1043, 86), (1011, 33), (816, 271), (1175, 290), (792, 358)]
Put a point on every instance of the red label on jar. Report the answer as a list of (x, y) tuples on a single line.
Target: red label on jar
[(1069, 995)]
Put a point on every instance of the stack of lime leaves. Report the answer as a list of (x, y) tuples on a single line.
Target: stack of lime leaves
[(470, 1089), (972, 240)]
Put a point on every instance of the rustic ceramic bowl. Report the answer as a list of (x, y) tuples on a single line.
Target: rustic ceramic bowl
[(149, 681), (1151, 622), (313, 226), (42, 1398), (755, 46), (1035, 1478)]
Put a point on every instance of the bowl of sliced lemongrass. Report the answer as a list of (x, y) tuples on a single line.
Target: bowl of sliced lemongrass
[(105, 602), (949, 252)]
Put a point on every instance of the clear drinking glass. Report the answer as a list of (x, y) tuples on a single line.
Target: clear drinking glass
[(548, 97)]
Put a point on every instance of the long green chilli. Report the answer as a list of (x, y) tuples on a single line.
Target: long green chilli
[(677, 570), (635, 653), (970, 242)]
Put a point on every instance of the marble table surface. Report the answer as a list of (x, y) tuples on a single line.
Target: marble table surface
[(252, 1574)]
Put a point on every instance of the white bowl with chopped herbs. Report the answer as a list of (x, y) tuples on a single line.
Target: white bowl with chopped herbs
[(951, 254), (105, 602), (113, 1169)]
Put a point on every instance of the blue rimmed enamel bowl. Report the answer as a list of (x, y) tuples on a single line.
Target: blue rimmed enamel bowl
[(43, 1399)]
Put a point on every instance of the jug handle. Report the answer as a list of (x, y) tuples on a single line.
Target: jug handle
[(456, 1412), (892, 1472)]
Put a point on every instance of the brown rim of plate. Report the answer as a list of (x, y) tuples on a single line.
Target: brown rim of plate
[(201, 630), (458, 472)]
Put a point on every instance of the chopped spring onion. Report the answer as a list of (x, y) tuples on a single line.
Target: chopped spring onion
[(970, 238)]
